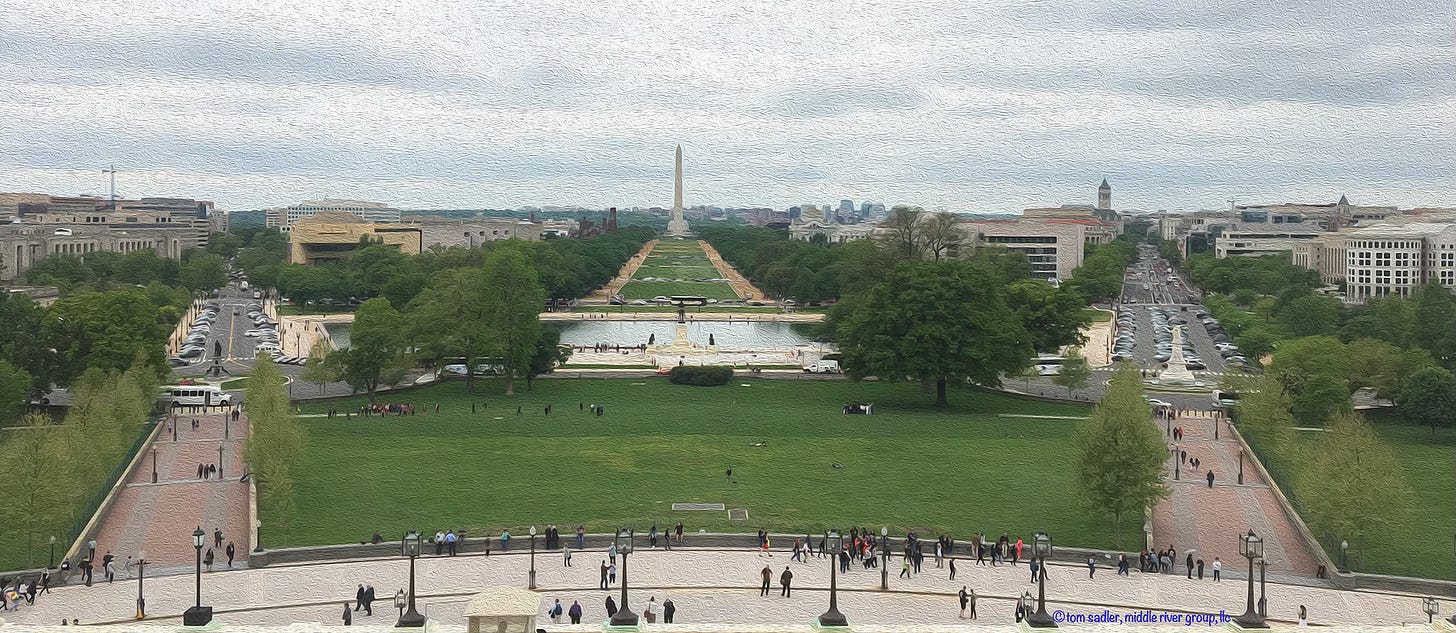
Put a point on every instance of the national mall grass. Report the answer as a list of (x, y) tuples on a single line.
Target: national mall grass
[(909, 465)]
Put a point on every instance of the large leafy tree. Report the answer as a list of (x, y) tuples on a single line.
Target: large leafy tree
[(1319, 398), (513, 301), (1351, 485), (1120, 453), (1053, 316), (548, 354), (1074, 372), (376, 347), (449, 318), (275, 441), (15, 388), (105, 330), (938, 321), (1428, 396)]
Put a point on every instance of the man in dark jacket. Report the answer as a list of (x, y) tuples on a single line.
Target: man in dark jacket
[(369, 600), (575, 612), (611, 607), (668, 608)]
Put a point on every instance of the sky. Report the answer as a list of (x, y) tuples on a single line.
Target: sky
[(960, 105)]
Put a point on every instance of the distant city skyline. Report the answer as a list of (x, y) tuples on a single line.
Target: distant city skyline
[(987, 107)]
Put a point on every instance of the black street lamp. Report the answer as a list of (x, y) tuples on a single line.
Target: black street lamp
[(835, 545), (52, 564), (141, 574), (1041, 547), (885, 553), (624, 616), (198, 615), (219, 461), (154, 464), (531, 584), (1344, 559), (410, 546), (1431, 607), (1251, 547)]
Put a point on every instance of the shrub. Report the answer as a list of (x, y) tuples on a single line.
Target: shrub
[(700, 376)]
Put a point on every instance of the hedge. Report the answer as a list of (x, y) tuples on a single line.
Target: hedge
[(700, 376)]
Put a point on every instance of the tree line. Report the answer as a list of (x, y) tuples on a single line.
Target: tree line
[(275, 442), (104, 270)]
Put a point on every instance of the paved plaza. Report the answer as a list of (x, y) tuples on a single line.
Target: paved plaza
[(707, 586)]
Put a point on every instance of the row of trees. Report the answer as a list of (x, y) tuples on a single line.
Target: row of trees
[(565, 269), (56, 470), (275, 441), (104, 270), (485, 315), (1267, 275)]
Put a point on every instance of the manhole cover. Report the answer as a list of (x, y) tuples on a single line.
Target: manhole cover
[(697, 506), (738, 514)]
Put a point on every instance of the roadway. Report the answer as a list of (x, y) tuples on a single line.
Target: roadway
[(1147, 287)]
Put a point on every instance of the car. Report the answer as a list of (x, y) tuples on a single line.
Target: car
[(252, 333), (639, 302), (660, 298), (1237, 360), (178, 361), (190, 352), (1159, 403), (454, 370), (663, 371), (268, 347), (235, 311)]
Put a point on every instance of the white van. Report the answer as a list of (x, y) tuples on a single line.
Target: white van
[(196, 396), (823, 367)]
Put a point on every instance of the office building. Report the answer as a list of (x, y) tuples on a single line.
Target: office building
[(283, 218), (471, 232), (331, 236), (1267, 238), (22, 245)]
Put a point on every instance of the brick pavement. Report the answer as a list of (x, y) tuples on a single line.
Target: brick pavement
[(707, 586), (159, 518), (1208, 521)]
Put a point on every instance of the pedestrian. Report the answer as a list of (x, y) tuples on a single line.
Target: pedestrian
[(965, 599), (1303, 617), (785, 580), (604, 574), (108, 567), (952, 568), (1217, 567), (45, 581), (574, 612), (566, 556), (668, 609), (612, 574), (679, 531), (359, 597), (1189, 564), (348, 615), (1122, 566), (439, 541), (612, 553), (905, 567), (1200, 569), (505, 539), (797, 556), (555, 612), (1091, 567), (217, 537), (230, 552), (207, 559), (650, 612), (86, 569), (580, 536), (767, 575), (1210, 479), (369, 600)]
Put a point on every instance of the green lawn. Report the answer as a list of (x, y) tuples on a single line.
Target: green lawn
[(961, 469), (1421, 544), (649, 289)]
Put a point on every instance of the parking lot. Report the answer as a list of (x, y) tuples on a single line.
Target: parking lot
[(232, 327), (1156, 299)]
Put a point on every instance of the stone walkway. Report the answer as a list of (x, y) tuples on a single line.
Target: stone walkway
[(740, 284), (706, 585), (159, 518), (623, 276), (1207, 521)]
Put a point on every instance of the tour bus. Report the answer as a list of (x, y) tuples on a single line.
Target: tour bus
[(1224, 399), (1048, 364), (195, 396)]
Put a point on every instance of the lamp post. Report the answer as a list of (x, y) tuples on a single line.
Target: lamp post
[(885, 553), (154, 464), (624, 616), (198, 615), (1263, 603), (1041, 547), (141, 574), (52, 564), (1431, 607), (835, 544), (1241, 467), (410, 546), (1344, 558), (219, 461), (531, 581), (1251, 547)]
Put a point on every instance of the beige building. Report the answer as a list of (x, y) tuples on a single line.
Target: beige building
[(1254, 240), (472, 232), (1054, 247), (1394, 259), (329, 237), (283, 218), (22, 245), (1324, 254)]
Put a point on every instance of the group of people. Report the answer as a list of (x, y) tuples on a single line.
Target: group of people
[(389, 408), (1166, 562), (24, 591), (207, 471)]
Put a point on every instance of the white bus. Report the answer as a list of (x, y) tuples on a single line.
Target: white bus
[(1048, 364), (1224, 399), (195, 396)]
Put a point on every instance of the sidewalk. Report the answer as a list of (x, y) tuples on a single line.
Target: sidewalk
[(1208, 521), (160, 518)]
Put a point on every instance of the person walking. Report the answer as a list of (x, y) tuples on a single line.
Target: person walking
[(439, 541), (604, 574), (1217, 567), (1091, 567), (611, 607), (359, 597), (555, 612), (217, 537), (965, 599), (574, 612), (451, 541), (1034, 568), (108, 566), (1189, 564), (650, 612), (45, 581), (369, 600), (207, 559), (785, 580), (611, 574), (566, 556), (668, 609), (797, 556), (348, 615), (767, 575), (1200, 569), (952, 568), (905, 567), (1303, 617), (1210, 479), (580, 537), (1122, 566), (230, 552)]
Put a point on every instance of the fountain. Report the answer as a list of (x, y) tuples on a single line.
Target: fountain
[(1177, 372)]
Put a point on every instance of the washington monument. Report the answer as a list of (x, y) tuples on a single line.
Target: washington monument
[(676, 225)]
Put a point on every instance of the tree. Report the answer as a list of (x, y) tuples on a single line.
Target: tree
[(933, 321), (317, 369), (1053, 316), (1074, 372), (203, 272), (1319, 398), (105, 330), (549, 353), (1351, 485), (15, 386), (913, 234), (449, 319), (1120, 453), (376, 346), (513, 300), (275, 440), (1428, 396), (1311, 315), (35, 461)]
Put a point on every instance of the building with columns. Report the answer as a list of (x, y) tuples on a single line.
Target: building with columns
[(23, 245)]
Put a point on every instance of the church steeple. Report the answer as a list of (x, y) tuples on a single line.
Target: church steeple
[(1104, 195)]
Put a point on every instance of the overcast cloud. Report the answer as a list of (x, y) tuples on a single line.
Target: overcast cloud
[(968, 106)]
